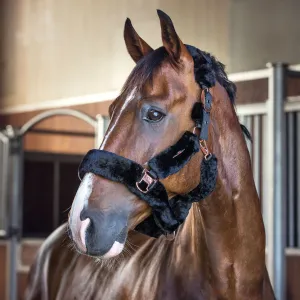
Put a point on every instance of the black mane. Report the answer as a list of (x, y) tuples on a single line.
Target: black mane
[(208, 70)]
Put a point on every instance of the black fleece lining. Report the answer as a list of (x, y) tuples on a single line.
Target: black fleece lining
[(166, 215), (181, 204), (197, 114), (122, 170), (171, 160)]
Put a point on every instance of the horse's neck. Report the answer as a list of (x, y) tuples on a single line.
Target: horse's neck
[(234, 205), (227, 226)]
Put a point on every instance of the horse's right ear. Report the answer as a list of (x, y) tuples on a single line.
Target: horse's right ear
[(171, 41), (136, 46)]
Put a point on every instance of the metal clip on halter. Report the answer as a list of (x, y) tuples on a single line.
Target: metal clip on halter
[(203, 146), (170, 236), (147, 181)]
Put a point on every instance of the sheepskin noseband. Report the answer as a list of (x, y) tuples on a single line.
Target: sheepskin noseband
[(167, 214)]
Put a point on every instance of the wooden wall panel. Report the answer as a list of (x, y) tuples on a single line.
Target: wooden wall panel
[(293, 286), (22, 283), (254, 91), (58, 143), (293, 87)]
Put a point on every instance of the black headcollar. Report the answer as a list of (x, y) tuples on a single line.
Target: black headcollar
[(167, 214)]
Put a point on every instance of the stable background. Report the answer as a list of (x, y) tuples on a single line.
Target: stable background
[(58, 54)]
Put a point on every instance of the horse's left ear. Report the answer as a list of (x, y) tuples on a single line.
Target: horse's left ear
[(171, 41), (136, 46)]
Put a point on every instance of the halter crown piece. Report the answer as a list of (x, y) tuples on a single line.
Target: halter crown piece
[(167, 214)]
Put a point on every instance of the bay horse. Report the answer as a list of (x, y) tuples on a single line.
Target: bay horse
[(131, 242)]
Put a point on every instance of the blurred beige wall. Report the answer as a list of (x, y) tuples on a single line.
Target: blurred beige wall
[(53, 49), (263, 31)]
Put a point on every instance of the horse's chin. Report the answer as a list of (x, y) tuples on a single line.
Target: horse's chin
[(114, 251)]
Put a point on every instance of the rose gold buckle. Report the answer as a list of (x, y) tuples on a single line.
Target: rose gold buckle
[(148, 180), (204, 149), (170, 236)]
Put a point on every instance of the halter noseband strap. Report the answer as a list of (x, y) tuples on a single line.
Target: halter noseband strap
[(167, 214)]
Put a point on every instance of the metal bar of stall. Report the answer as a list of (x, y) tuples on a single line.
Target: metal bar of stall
[(298, 179), (2, 196), (290, 180), (4, 230), (56, 181), (4, 181), (99, 131), (242, 119), (265, 169), (16, 160), (246, 120), (62, 112), (257, 152), (268, 177), (248, 124), (61, 132), (276, 168)]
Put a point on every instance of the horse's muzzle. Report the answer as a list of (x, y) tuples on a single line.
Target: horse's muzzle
[(101, 234)]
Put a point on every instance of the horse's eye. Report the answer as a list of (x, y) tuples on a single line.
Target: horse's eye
[(154, 115)]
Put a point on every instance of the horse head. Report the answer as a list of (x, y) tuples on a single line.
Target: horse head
[(161, 117)]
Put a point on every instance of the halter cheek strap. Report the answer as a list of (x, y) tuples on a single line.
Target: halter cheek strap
[(167, 214)]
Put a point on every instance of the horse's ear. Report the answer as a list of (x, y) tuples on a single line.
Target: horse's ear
[(136, 46), (171, 40)]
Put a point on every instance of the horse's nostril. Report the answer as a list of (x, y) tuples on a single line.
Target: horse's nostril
[(84, 214), (83, 229)]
